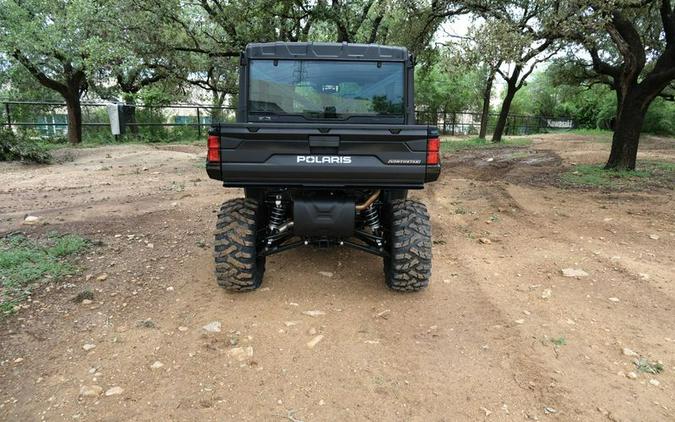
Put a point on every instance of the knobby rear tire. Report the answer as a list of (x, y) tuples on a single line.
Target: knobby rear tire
[(238, 267), (408, 267)]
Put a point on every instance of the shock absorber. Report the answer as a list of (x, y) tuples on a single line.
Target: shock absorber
[(372, 218), (277, 214)]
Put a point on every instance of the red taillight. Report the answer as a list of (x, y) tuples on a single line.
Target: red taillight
[(214, 148), (433, 151)]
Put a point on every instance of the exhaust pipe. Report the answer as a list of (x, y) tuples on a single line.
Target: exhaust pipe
[(369, 201)]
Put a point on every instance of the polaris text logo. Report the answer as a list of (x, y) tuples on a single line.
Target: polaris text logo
[(323, 159)]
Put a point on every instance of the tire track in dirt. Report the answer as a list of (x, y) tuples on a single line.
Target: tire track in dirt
[(584, 230), (528, 372), (536, 227)]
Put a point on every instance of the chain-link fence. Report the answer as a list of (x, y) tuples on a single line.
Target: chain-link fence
[(154, 122), (468, 123), (190, 121)]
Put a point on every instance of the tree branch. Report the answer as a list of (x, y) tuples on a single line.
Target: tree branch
[(38, 74), (547, 43), (376, 25), (628, 41), (502, 74), (533, 66), (601, 67)]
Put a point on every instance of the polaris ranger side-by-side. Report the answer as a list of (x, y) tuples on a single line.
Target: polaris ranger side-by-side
[(326, 148)]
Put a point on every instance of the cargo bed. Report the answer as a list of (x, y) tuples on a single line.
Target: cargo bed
[(322, 155)]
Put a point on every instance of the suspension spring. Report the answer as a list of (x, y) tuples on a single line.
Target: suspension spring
[(372, 218), (277, 214)]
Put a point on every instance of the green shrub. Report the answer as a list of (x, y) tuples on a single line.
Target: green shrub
[(660, 118), (644, 365), (20, 147)]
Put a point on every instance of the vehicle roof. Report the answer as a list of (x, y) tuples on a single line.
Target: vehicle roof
[(326, 51)]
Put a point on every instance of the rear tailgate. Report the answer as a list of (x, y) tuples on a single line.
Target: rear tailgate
[(344, 155)]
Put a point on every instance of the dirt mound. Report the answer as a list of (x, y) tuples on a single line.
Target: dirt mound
[(516, 164)]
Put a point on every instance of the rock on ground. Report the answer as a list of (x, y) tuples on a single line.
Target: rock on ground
[(314, 313), (113, 391), (313, 342), (31, 219), (212, 327), (91, 390), (241, 353), (574, 272)]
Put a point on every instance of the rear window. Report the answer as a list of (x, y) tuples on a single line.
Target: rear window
[(326, 89)]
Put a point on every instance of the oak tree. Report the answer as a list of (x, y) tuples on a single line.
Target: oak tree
[(630, 46)]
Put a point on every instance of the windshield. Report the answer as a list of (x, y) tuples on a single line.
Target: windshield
[(326, 89)]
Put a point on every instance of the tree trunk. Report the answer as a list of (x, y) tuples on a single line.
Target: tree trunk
[(504, 113), (74, 118), (485, 114), (626, 136), (217, 100)]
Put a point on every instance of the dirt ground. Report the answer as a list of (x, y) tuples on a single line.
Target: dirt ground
[(499, 335)]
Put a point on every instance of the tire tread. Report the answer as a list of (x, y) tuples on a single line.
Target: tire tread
[(237, 266), (408, 269)]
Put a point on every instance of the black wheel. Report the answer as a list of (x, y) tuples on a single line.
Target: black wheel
[(408, 268), (238, 266)]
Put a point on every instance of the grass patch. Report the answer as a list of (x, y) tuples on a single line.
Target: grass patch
[(644, 365), (67, 245), (104, 138), (595, 175), (648, 174), (100, 142), (25, 262), (597, 133), (662, 166), (559, 341), (448, 145)]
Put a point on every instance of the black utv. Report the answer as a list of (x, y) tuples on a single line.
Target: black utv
[(326, 148)]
